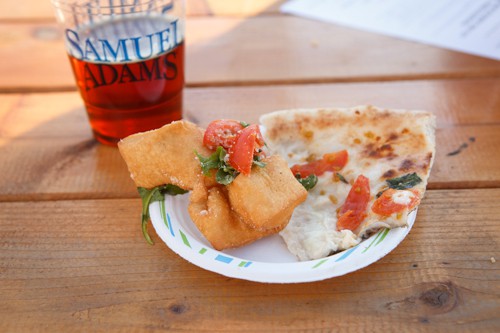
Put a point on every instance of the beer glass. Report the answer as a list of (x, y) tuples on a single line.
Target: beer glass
[(127, 57)]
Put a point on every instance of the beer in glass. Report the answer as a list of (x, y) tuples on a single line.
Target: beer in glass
[(128, 60)]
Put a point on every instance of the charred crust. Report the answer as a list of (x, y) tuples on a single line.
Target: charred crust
[(428, 158), (393, 137), (406, 165), (389, 174), (385, 150)]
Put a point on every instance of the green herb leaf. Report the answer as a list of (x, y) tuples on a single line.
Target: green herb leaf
[(244, 124), (404, 182), (342, 178), (225, 172), (224, 177), (149, 196), (169, 189), (146, 196), (210, 162), (308, 182), (258, 162)]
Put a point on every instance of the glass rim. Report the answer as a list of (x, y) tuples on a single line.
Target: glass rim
[(91, 5)]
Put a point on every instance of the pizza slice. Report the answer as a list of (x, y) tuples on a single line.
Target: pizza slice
[(371, 166)]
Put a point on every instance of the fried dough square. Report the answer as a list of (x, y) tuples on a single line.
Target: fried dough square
[(222, 227), (165, 155), (265, 197)]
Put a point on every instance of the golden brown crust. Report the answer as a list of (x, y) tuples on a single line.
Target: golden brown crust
[(268, 196), (210, 211), (165, 155)]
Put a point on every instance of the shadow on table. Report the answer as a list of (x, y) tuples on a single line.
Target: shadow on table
[(47, 151)]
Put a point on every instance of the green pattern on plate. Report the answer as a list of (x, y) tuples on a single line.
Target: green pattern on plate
[(184, 239), (321, 262), (376, 238)]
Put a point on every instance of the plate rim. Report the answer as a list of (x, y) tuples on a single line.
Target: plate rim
[(165, 216)]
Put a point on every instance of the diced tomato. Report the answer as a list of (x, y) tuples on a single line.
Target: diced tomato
[(241, 154), (386, 206), (353, 211), (348, 220), (221, 132), (330, 162)]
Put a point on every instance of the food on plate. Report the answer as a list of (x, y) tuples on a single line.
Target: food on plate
[(239, 193), (211, 212), (371, 165), (164, 155), (267, 196)]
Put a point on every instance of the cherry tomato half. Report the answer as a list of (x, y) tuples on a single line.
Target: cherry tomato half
[(386, 206), (353, 211), (241, 154), (221, 132), (330, 162)]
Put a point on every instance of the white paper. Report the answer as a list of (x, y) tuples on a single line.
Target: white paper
[(470, 26)]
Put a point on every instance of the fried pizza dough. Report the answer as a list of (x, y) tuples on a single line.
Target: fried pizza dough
[(267, 196), (165, 155), (211, 212)]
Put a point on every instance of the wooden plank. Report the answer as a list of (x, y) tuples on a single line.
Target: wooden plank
[(455, 102), (26, 10), (35, 10), (57, 138), (300, 50), (64, 167), (83, 265), (78, 167), (243, 8), (231, 51)]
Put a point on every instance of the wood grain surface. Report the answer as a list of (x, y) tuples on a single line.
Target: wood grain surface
[(104, 276), (231, 51), (57, 138)]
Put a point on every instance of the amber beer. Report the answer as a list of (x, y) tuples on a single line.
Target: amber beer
[(130, 73)]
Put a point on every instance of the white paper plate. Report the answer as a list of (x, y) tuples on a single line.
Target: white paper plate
[(266, 260)]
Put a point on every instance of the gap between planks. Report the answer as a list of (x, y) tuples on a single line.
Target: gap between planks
[(126, 195), (296, 82)]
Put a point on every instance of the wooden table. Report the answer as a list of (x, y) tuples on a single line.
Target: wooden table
[(72, 257)]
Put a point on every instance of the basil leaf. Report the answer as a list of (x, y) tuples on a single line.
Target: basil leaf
[(404, 182), (244, 124), (308, 182), (149, 196)]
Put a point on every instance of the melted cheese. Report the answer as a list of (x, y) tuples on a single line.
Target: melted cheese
[(403, 197), (312, 231)]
